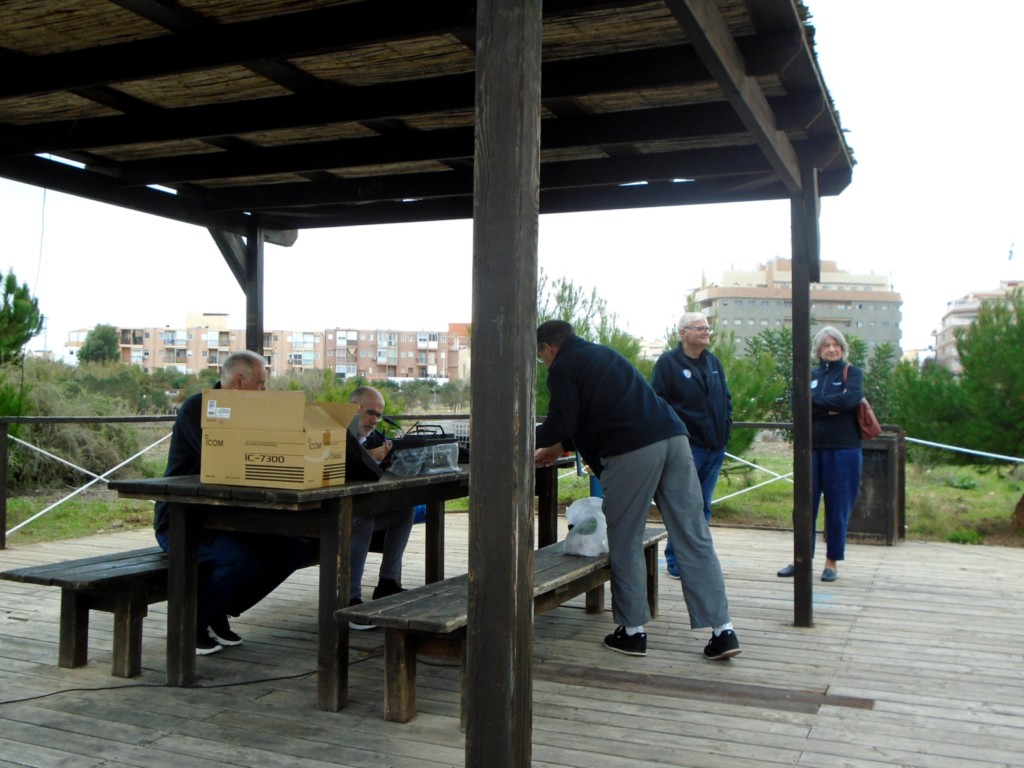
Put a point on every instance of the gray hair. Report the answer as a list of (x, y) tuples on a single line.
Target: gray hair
[(359, 393), (688, 318), (241, 361), (825, 333)]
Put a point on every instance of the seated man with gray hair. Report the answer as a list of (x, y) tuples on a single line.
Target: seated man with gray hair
[(394, 527), (238, 569)]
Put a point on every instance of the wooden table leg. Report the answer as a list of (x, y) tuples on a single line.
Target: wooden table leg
[(335, 575), (182, 581), (547, 506), (434, 563)]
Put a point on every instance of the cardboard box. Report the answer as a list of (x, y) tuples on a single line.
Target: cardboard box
[(273, 439)]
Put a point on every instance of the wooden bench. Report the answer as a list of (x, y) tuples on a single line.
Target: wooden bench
[(432, 619), (121, 583)]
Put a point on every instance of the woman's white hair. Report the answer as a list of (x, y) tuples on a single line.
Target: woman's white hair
[(829, 332)]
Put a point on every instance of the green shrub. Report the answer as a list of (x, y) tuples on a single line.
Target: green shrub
[(962, 536)]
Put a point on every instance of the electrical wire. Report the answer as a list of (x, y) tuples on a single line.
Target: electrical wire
[(365, 656)]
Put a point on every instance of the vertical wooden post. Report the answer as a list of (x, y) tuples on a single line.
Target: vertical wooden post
[(806, 267), (254, 289), (505, 225), (4, 427)]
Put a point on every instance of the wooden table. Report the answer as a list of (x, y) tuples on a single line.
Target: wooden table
[(322, 513)]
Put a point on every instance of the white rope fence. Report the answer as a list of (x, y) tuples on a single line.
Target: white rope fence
[(788, 477), (999, 457), (96, 478)]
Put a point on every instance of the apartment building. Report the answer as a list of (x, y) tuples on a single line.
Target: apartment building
[(391, 354), (206, 340), (746, 303), (960, 313)]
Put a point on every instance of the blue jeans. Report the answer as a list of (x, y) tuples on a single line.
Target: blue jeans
[(708, 464), (835, 474), (240, 569)]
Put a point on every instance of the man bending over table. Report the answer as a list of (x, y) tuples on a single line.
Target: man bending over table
[(632, 439)]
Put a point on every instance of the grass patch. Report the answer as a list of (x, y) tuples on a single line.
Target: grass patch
[(88, 513), (964, 504)]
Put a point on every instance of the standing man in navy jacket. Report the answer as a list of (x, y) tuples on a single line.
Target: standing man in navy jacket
[(603, 408), (692, 381)]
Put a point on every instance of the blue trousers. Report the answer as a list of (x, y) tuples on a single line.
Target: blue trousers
[(709, 464), (398, 525), (835, 474), (240, 569), (663, 471)]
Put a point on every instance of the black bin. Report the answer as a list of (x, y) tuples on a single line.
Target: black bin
[(880, 511)]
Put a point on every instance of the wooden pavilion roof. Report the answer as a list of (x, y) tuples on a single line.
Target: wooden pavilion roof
[(327, 113)]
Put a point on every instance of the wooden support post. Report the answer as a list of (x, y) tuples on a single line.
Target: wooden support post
[(4, 427), (254, 289), (804, 210), (499, 677)]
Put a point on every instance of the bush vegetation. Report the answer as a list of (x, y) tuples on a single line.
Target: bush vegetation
[(950, 496)]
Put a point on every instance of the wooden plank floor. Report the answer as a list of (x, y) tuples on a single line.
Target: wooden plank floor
[(915, 659)]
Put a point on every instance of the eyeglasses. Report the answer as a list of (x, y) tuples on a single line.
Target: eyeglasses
[(699, 329), (371, 412)]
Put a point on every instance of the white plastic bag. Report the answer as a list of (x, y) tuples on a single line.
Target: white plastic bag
[(588, 534)]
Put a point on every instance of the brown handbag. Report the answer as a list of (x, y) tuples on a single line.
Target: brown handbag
[(867, 422)]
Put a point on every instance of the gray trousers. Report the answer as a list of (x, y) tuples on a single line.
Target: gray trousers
[(398, 525), (664, 472)]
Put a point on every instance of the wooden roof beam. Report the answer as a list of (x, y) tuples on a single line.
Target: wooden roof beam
[(304, 33), (710, 36), (611, 171), (444, 145), (82, 183), (609, 73)]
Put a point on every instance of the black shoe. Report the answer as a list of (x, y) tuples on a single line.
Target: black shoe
[(631, 645), (205, 645), (386, 588), (789, 570), (352, 624), (220, 631), (724, 646)]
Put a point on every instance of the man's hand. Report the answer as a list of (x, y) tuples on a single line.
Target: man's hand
[(545, 457), (380, 451)]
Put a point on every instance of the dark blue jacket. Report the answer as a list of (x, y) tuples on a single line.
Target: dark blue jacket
[(834, 405), (698, 393), (183, 457), (601, 405)]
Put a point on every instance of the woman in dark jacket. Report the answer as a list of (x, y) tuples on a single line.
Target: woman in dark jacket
[(836, 459)]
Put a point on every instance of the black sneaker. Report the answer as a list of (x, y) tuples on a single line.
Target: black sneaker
[(725, 646), (205, 645), (386, 588), (352, 624), (220, 631), (631, 645)]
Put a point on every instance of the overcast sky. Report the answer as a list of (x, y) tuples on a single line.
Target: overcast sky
[(931, 108)]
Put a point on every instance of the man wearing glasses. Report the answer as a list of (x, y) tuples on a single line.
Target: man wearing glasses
[(395, 526), (692, 381), (603, 408)]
